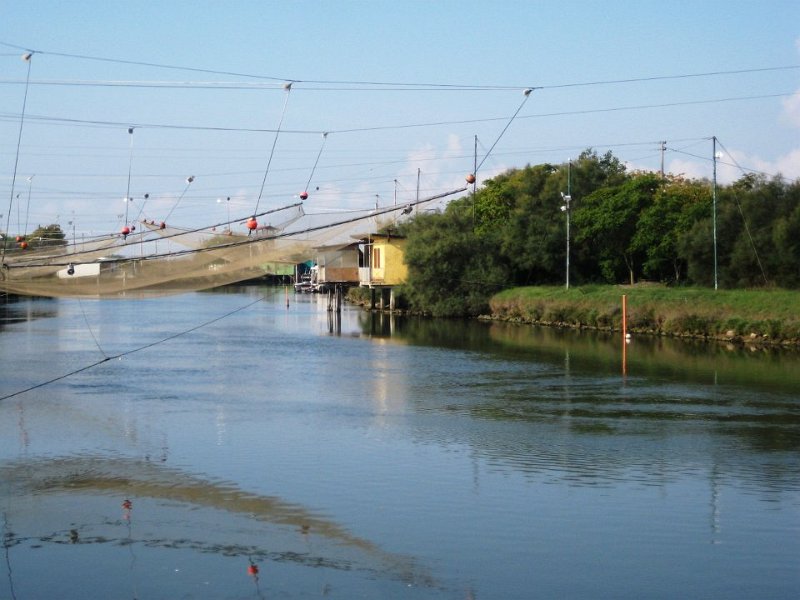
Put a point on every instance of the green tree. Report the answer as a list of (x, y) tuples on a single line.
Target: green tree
[(606, 221), (677, 205), (590, 172), (47, 235), (453, 271), (533, 239), (786, 237)]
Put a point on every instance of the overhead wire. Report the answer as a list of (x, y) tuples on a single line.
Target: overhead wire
[(55, 193), (744, 220), (527, 94), (189, 181), (316, 162), (141, 63), (288, 88), (411, 85), (142, 125), (130, 165), (733, 164), (27, 58)]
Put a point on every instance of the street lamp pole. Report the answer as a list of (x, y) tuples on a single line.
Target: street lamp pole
[(565, 208), (714, 203)]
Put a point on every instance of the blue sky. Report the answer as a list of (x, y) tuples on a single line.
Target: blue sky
[(474, 59)]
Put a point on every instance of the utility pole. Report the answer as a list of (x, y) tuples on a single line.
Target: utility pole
[(569, 177), (128, 198), (416, 203), (475, 180), (663, 148), (567, 198)]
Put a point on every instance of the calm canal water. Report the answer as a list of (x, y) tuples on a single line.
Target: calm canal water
[(276, 454)]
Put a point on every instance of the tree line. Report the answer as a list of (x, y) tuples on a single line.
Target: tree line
[(42, 236), (625, 227)]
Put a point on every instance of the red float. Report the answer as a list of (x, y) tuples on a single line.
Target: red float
[(304, 196), (252, 570), (23, 245), (20, 238), (163, 225), (125, 230), (471, 178), (252, 223)]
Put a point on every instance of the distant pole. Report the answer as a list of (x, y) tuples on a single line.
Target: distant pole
[(475, 165), (130, 163), (28, 208), (566, 208), (416, 204), (568, 199), (714, 203), (475, 182), (395, 192), (569, 177), (27, 58), (663, 148)]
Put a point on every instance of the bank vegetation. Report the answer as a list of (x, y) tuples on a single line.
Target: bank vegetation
[(502, 251), (760, 317)]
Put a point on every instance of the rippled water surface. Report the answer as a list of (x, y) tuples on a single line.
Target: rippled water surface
[(281, 453)]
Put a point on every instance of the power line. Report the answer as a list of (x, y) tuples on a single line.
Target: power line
[(668, 77), (412, 85), (744, 220), (733, 164), (115, 124)]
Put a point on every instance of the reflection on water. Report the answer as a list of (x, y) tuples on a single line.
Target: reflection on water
[(87, 477), (292, 452), (14, 309)]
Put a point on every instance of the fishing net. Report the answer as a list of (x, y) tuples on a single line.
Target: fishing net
[(159, 259)]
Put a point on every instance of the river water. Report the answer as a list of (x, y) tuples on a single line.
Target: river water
[(224, 445)]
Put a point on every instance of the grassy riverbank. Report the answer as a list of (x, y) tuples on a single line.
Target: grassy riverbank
[(747, 316)]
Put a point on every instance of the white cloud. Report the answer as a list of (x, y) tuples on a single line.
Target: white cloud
[(454, 147), (691, 169), (728, 169), (791, 109), (787, 165)]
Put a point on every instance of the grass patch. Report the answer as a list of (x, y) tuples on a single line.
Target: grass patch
[(764, 314)]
